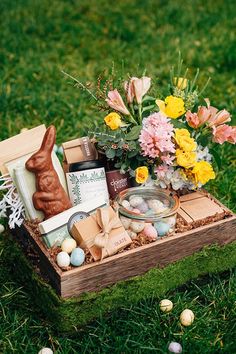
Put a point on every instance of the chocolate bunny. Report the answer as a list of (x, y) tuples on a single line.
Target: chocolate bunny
[(50, 197)]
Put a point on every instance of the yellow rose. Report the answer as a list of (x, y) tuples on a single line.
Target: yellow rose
[(185, 159), (180, 82), (113, 120), (203, 172), (141, 174), (172, 107), (183, 139)]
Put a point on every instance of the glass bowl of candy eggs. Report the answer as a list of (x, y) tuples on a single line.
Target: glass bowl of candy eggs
[(147, 210)]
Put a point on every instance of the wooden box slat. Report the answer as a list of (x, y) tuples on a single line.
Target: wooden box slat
[(130, 263)]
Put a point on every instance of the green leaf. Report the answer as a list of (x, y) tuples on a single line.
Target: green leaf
[(110, 153), (132, 153), (134, 133), (216, 157)]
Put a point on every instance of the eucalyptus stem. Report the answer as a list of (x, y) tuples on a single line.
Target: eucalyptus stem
[(81, 85)]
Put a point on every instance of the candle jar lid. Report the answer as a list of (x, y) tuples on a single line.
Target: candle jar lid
[(85, 165), (151, 203)]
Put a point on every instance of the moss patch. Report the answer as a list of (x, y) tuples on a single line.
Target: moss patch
[(70, 314)]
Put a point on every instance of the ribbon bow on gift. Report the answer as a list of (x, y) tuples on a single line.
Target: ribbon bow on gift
[(102, 218)]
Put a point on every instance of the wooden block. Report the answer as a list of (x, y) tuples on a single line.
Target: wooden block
[(20, 145), (201, 208), (191, 196)]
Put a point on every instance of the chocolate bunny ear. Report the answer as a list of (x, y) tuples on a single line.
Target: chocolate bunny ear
[(49, 138)]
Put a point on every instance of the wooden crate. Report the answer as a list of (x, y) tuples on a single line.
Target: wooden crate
[(130, 263)]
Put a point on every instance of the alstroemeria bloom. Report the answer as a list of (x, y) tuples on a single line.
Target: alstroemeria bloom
[(224, 133), (129, 89), (141, 87), (116, 102), (195, 120), (219, 118)]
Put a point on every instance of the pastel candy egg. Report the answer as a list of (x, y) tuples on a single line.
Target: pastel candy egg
[(77, 257), (137, 226), (155, 204), (149, 212), (136, 211), (175, 347), (171, 221), (131, 234), (166, 305), (23, 130), (135, 201), (125, 204), (187, 317), (63, 259), (2, 228), (162, 228), (68, 245), (60, 150), (143, 207), (45, 351), (150, 232), (125, 222)]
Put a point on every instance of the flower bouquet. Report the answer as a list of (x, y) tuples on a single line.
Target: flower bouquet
[(168, 139)]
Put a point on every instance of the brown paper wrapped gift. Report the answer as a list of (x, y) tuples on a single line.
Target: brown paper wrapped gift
[(78, 150), (102, 233)]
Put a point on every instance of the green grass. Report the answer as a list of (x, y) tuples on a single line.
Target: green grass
[(38, 39)]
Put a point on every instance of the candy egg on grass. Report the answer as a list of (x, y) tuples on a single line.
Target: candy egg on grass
[(2, 228), (175, 347), (166, 305), (137, 226), (186, 317), (77, 257), (150, 232), (45, 351), (63, 259), (162, 228), (125, 222), (24, 130), (68, 245), (135, 201), (132, 234)]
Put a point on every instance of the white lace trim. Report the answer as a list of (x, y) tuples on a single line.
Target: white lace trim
[(11, 205)]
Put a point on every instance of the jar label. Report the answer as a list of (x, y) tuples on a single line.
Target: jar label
[(86, 185)]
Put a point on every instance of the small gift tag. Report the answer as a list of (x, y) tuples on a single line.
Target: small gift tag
[(102, 233)]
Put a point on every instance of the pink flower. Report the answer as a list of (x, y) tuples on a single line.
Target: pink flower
[(155, 137), (232, 137), (168, 159), (195, 120), (129, 89), (116, 102), (222, 133), (219, 118)]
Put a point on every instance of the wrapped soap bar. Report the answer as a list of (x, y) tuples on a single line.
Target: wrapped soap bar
[(56, 229), (102, 233)]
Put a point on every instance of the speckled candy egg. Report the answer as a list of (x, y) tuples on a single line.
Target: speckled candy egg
[(45, 351), (23, 130), (155, 204), (2, 228), (166, 305), (125, 222), (187, 317), (175, 347), (135, 201), (162, 228), (150, 232), (171, 221), (77, 257), (68, 245), (125, 204), (131, 234), (136, 211), (137, 226), (63, 259), (143, 207)]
